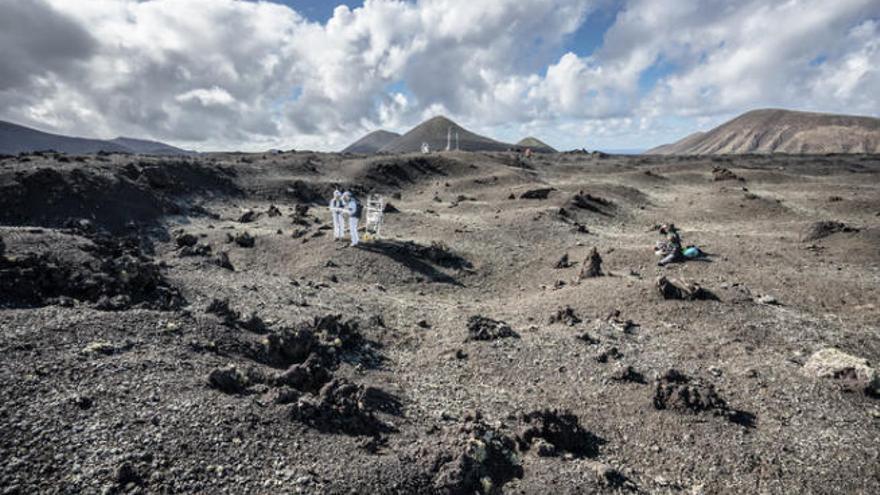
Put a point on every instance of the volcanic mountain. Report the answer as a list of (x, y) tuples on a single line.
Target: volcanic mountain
[(782, 131), (19, 139), (436, 131), (372, 142), (536, 145)]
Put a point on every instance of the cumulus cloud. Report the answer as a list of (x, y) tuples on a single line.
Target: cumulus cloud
[(221, 74)]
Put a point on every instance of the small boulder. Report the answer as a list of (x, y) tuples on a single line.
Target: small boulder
[(820, 230), (851, 372), (542, 193), (228, 379), (482, 328), (592, 266), (186, 240), (671, 288), (248, 216), (222, 260), (245, 240), (563, 262)]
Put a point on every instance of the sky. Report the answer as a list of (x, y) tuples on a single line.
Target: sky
[(309, 74)]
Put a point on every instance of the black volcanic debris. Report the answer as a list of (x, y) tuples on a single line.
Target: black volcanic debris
[(113, 273), (482, 328), (190, 325), (140, 193)]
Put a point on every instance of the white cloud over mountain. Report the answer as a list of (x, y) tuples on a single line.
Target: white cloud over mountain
[(233, 74)]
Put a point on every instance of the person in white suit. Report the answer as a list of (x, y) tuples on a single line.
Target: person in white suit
[(336, 208), (353, 210)]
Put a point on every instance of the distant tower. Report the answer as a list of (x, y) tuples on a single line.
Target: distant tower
[(449, 139)]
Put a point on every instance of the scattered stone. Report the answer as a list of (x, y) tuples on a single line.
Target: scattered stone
[(609, 476), (254, 324), (482, 328), (199, 249), (222, 260), (244, 240), (126, 474), (606, 355), (561, 429), (671, 288), (186, 240), (221, 309), (344, 407), (485, 461), (542, 193), (586, 337), (850, 372), (229, 380), (820, 230), (273, 211), (390, 208), (592, 266), (309, 376), (769, 300), (721, 174), (100, 347), (287, 347), (563, 262), (248, 216), (567, 316), (626, 373), (678, 392)]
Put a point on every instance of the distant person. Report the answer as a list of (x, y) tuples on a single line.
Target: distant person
[(353, 210), (336, 207), (671, 248)]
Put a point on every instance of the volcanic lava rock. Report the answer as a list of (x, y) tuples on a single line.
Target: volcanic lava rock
[(626, 373), (483, 463), (221, 309), (117, 274), (244, 240), (671, 288), (482, 328), (589, 202), (542, 193), (561, 429), (820, 230), (563, 262), (199, 249), (721, 173), (567, 316), (850, 372), (345, 407), (222, 260), (254, 324), (229, 380), (592, 266), (248, 216), (287, 347), (273, 211), (678, 392), (184, 239), (308, 376)]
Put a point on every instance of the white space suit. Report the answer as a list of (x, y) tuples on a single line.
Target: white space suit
[(336, 207), (351, 209)]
